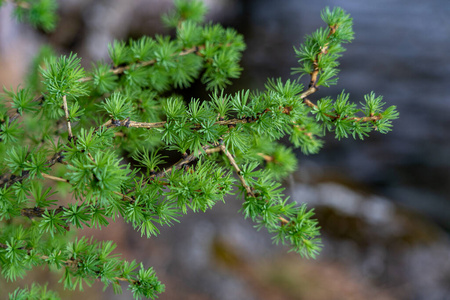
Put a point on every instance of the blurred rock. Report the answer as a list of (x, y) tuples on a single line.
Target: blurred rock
[(389, 245)]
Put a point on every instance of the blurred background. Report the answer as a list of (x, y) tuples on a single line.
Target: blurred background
[(383, 203)]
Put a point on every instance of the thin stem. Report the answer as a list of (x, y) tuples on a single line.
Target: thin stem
[(66, 110), (308, 92), (324, 50), (130, 199), (125, 279), (65, 180), (188, 159), (247, 188), (238, 171), (372, 118), (135, 124), (208, 149), (38, 212), (266, 157), (54, 178)]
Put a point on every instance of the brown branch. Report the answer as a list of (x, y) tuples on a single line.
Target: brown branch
[(309, 103), (372, 118), (135, 124), (17, 115), (308, 92), (125, 279), (266, 157), (238, 171), (208, 149), (128, 198), (66, 110), (234, 121), (38, 212), (247, 188), (323, 51), (9, 179), (54, 178)]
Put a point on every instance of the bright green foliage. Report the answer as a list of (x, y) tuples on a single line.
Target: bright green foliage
[(128, 127), (62, 76), (186, 10), (321, 49), (22, 101), (36, 292), (39, 13)]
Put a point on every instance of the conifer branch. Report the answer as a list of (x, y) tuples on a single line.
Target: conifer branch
[(245, 127), (66, 111)]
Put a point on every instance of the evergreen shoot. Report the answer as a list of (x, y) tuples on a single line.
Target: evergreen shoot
[(106, 136)]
